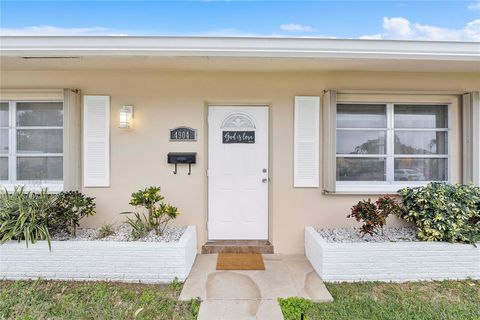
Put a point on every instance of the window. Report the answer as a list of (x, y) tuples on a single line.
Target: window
[(391, 144), (31, 143)]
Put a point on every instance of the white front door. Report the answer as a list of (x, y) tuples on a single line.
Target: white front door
[(238, 173)]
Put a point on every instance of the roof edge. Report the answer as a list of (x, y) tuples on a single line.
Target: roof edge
[(261, 47)]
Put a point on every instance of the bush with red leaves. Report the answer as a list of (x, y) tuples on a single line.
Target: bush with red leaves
[(374, 214)]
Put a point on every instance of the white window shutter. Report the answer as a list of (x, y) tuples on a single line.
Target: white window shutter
[(306, 142), (96, 141)]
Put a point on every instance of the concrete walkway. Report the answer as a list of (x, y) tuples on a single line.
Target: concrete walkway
[(231, 295)]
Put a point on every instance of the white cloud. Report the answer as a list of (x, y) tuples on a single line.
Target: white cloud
[(295, 27), (401, 29), (58, 31), (475, 6), (397, 27)]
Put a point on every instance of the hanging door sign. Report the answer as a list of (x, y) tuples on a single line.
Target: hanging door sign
[(238, 136), (183, 134)]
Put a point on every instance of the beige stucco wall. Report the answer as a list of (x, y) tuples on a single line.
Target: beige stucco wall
[(164, 100)]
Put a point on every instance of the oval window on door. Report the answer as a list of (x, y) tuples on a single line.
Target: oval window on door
[(238, 120)]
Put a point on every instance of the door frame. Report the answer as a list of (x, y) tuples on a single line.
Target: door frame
[(207, 160)]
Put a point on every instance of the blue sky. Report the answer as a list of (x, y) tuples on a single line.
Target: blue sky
[(425, 20)]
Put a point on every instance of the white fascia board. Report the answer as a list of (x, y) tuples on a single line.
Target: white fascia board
[(20, 46)]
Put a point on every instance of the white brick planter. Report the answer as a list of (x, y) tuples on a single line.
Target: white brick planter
[(133, 261), (391, 261)]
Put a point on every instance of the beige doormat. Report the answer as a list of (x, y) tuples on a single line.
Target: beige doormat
[(240, 261)]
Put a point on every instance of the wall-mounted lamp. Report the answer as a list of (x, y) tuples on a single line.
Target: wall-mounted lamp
[(126, 116)]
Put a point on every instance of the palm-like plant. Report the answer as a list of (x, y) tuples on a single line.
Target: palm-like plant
[(159, 214)]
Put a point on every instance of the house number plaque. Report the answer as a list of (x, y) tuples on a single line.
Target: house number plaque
[(183, 134), (238, 136)]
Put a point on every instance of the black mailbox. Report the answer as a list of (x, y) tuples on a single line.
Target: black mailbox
[(182, 158)]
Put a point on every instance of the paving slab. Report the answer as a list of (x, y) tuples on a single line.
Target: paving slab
[(227, 285), (240, 310), (252, 294)]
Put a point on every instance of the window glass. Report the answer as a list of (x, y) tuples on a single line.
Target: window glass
[(416, 130), (421, 116), (40, 141), (421, 142), (361, 169), (39, 168), (421, 169), (361, 116), (3, 141), (45, 114), (361, 142), (4, 114), (37, 148), (3, 168)]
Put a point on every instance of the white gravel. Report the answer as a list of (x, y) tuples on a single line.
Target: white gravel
[(122, 233), (354, 235)]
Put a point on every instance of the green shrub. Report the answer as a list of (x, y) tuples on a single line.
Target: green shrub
[(24, 215), (139, 226), (159, 214), (70, 207), (31, 216), (294, 308), (374, 214), (443, 212), (105, 231)]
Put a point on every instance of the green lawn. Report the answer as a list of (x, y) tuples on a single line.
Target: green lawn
[(103, 300), (440, 300), (92, 300)]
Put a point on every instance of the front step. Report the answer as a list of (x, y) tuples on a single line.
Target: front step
[(237, 246)]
